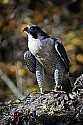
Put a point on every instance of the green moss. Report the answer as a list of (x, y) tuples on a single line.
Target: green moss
[(50, 104), (58, 113)]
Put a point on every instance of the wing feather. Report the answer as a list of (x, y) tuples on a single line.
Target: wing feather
[(62, 53), (30, 61)]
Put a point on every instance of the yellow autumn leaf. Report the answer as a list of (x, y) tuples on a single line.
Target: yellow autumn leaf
[(69, 47), (75, 67), (70, 36), (21, 72), (73, 57), (19, 64), (79, 57), (76, 41), (4, 1)]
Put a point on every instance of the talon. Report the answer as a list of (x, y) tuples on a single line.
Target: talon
[(57, 88)]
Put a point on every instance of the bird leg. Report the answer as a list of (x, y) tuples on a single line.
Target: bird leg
[(39, 75), (58, 77), (57, 88), (41, 90)]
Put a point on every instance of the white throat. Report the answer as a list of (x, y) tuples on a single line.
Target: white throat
[(40, 48), (34, 44)]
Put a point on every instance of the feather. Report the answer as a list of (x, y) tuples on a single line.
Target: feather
[(62, 53), (30, 61)]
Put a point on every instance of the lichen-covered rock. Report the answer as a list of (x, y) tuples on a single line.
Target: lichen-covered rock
[(50, 108), (78, 85)]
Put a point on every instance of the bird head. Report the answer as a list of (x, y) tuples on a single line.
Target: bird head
[(35, 31)]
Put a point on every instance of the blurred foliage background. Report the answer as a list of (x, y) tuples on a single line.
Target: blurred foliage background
[(59, 18)]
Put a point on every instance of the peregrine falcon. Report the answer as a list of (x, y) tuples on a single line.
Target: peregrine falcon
[(46, 56)]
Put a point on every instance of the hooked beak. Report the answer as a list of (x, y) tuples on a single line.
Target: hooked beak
[(26, 29)]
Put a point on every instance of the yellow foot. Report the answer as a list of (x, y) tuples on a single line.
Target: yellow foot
[(58, 91), (41, 91)]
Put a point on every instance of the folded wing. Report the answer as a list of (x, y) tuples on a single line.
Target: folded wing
[(30, 61), (62, 53)]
